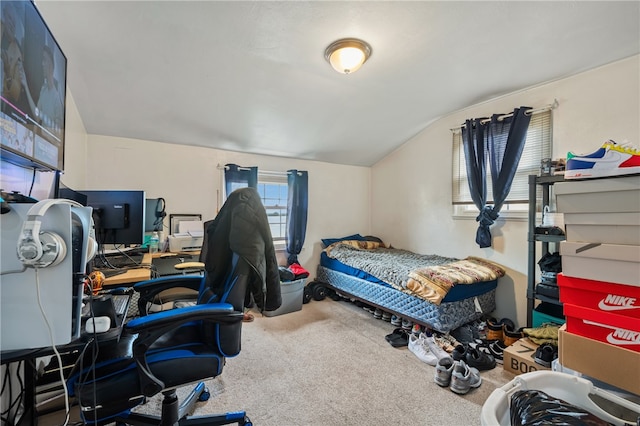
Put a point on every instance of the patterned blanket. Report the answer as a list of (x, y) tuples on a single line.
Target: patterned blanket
[(434, 282), (429, 277), (387, 264)]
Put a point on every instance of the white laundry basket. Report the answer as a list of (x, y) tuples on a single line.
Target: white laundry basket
[(572, 389)]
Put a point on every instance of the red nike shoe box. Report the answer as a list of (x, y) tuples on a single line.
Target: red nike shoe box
[(617, 330), (599, 295)]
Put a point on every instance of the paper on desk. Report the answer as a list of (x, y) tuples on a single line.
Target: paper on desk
[(192, 228)]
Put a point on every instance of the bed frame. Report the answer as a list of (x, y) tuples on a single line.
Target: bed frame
[(442, 318)]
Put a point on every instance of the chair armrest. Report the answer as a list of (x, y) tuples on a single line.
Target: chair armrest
[(149, 290), (152, 327)]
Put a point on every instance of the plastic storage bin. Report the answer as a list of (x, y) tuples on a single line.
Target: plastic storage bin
[(292, 294), (572, 389)]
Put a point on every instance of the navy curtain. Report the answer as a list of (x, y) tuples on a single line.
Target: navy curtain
[(297, 205), (239, 177), (502, 142)]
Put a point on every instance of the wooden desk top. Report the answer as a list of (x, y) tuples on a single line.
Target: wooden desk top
[(133, 276)]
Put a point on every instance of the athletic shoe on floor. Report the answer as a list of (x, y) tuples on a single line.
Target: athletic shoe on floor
[(416, 329), (463, 378), (377, 314), (459, 353), (406, 324), (396, 320), (480, 360), (433, 346), (386, 316), (611, 159), (496, 349), (420, 349), (443, 371)]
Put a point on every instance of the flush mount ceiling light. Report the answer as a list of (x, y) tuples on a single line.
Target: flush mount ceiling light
[(347, 55)]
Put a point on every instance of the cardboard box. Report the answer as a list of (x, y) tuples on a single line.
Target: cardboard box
[(606, 327), (604, 228), (614, 263), (600, 295), (519, 357), (611, 364), (610, 195)]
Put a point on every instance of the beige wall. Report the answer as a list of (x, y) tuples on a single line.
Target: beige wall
[(405, 198), (411, 196)]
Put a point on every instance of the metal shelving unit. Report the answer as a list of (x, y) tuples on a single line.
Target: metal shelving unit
[(545, 182)]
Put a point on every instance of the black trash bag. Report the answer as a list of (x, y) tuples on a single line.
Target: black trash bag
[(550, 262), (534, 407)]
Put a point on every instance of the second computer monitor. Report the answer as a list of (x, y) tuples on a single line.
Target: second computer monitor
[(119, 216)]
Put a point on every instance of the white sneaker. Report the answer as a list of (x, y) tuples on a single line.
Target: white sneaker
[(420, 349), (434, 347)]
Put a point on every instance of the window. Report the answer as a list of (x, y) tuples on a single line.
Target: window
[(537, 147), (274, 192)]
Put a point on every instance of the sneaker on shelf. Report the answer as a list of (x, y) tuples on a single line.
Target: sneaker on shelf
[(406, 324), (377, 314), (396, 320), (386, 316), (463, 378), (420, 349), (434, 347), (611, 159), (444, 367)]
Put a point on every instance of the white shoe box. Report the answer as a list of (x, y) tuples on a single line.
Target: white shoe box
[(614, 263), (604, 228), (607, 195)]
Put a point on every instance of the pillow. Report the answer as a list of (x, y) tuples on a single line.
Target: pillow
[(328, 241)]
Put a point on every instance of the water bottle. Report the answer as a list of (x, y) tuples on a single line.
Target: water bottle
[(153, 243)]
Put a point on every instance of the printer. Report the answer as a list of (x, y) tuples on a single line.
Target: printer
[(189, 237)]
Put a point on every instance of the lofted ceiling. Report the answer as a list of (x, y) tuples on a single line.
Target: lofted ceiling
[(251, 76)]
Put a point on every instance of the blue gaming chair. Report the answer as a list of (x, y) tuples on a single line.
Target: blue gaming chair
[(163, 351)]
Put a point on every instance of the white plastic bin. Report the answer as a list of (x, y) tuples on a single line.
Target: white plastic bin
[(572, 389)]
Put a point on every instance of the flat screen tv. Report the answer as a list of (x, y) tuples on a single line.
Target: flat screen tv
[(33, 100)]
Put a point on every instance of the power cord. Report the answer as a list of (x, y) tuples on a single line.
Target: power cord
[(55, 350)]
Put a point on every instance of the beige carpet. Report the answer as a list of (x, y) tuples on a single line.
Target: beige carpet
[(329, 364)]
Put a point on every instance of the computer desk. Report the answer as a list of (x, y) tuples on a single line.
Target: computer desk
[(143, 273), (134, 275)]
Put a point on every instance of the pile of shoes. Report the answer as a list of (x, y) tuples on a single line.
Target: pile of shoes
[(426, 349)]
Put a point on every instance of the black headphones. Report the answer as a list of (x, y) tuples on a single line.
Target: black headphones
[(160, 213), (40, 249)]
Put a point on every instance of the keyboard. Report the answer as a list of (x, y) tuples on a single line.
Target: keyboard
[(120, 303)]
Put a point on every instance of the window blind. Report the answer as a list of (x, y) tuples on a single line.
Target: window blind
[(538, 145)]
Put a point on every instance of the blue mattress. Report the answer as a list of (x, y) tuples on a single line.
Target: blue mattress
[(457, 292)]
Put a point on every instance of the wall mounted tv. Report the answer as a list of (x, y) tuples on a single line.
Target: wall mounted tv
[(33, 99)]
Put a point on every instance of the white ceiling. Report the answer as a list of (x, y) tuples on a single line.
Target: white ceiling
[(251, 76)]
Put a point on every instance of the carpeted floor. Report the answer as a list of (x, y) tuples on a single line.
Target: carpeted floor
[(326, 365), (329, 364)]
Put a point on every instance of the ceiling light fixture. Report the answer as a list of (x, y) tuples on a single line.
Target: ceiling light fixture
[(347, 55)]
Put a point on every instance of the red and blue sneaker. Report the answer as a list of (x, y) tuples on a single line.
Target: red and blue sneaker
[(611, 159)]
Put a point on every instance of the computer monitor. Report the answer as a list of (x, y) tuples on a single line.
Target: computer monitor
[(119, 216), (154, 214)]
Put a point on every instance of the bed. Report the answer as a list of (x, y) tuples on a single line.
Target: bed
[(437, 292)]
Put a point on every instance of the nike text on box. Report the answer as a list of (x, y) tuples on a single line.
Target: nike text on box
[(599, 295), (611, 364), (613, 263), (607, 327)]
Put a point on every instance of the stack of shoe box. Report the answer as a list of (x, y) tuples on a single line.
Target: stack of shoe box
[(600, 282)]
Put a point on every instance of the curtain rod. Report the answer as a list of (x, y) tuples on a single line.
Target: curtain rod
[(554, 105), (260, 172)]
